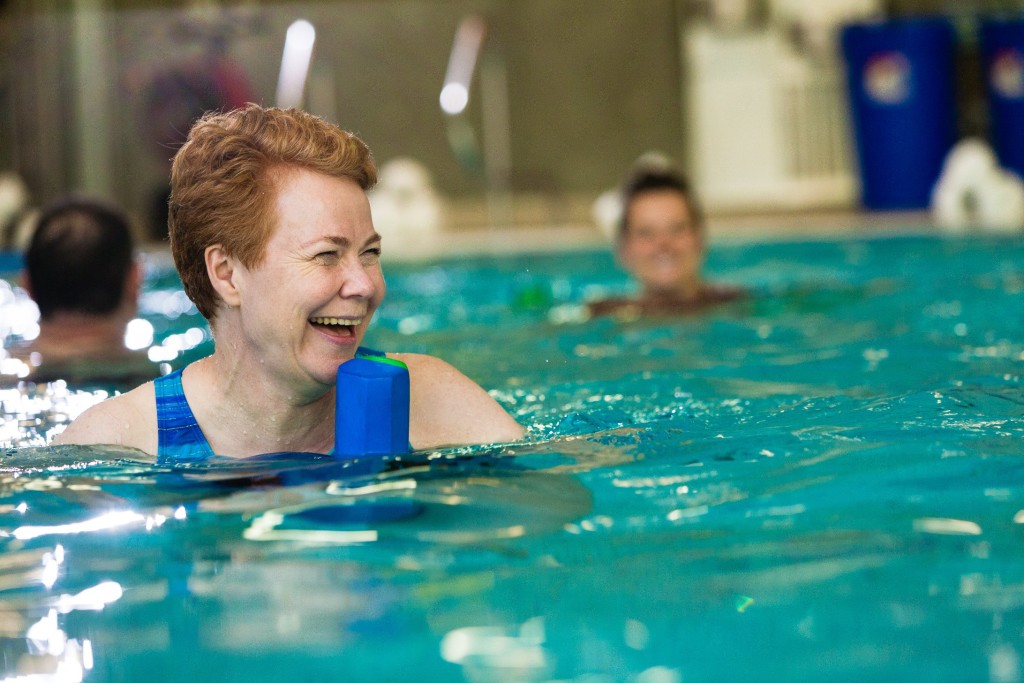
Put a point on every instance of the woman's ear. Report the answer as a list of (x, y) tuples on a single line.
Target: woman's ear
[(220, 267)]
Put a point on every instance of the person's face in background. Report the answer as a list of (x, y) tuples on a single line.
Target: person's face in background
[(662, 247)]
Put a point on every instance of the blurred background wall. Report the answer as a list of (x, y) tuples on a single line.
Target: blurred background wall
[(565, 94)]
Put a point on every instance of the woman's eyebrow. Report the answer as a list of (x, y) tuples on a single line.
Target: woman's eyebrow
[(339, 240), (333, 239)]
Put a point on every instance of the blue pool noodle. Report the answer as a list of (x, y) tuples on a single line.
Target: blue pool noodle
[(372, 408)]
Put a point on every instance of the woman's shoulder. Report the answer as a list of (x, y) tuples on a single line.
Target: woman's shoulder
[(431, 372), (717, 293), (127, 419), (421, 361), (447, 407), (628, 309), (616, 306)]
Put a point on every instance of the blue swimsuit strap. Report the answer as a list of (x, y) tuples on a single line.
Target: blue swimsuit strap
[(179, 437)]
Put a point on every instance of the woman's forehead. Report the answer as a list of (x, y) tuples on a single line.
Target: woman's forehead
[(668, 204), (310, 203)]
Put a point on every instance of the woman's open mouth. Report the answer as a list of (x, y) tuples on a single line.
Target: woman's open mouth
[(336, 327)]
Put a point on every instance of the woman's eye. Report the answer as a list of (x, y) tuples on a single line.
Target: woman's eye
[(326, 256)]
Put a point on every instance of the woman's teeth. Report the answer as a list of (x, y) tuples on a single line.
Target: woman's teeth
[(346, 322)]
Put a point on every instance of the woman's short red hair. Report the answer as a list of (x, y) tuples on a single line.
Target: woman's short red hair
[(222, 184)]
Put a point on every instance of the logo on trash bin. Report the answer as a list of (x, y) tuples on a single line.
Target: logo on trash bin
[(1006, 74), (887, 78)]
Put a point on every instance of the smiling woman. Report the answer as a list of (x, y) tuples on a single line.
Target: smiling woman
[(271, 233), (661, 243)]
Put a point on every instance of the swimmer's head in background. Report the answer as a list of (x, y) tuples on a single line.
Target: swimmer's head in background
[(655, 173), (79, 258), (222, 184)]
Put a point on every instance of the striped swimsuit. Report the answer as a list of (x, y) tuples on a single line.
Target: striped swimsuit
[(180, 440)]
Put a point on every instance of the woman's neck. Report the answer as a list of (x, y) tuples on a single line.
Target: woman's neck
[(248, 413), (684, 292)]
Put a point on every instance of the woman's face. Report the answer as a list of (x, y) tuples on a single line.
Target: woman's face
[(662, 247), (305, 309)]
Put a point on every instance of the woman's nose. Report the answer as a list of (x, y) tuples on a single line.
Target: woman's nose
[(357, 282), (665, 242)]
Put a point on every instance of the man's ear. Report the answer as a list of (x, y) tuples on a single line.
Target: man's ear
[(133, 282), (132, 285), (25, 283), (220, 268)]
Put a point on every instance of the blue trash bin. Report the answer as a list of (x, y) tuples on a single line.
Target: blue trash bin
[(1002, 52), (900, 82)]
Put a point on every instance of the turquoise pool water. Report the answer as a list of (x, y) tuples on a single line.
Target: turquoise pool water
[(823, 482)]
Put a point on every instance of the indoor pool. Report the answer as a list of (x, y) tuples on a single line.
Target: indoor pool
[(822, 482)]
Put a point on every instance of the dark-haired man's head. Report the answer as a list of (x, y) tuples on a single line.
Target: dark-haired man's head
[(81, 259)]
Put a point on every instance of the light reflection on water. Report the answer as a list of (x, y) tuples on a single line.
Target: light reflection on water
[(823, 481), (33, 641), (35, 413), (296, 536), (20, 315)]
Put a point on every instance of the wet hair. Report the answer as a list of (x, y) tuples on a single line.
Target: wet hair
[(78, 257), (657, 178), (223, 184)]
